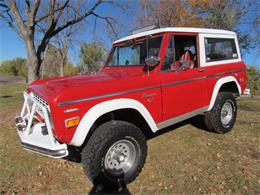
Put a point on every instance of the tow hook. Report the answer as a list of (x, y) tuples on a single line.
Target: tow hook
[(44, 130), (20, 123)]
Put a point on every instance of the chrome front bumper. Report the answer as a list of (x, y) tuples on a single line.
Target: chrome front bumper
[(36, 135)]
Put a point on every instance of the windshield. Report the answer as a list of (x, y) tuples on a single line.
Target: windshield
[(134, 53)]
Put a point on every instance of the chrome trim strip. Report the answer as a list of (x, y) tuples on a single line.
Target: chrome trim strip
[(107, 95), (223, 73), (199, 78), (145, 88), (182, 82), (180, 118), (71, 110)]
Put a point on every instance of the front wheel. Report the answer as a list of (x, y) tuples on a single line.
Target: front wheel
[(115, 153), (221, 118)]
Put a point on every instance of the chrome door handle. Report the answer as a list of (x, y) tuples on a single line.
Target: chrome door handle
[(201, 70)]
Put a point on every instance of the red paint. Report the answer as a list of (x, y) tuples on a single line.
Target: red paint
[(169, 102)]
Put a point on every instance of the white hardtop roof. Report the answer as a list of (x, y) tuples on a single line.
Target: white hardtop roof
[(177, 29)]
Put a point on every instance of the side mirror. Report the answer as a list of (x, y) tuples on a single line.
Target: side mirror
[(152, 61)]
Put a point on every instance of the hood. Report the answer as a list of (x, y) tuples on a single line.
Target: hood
[(78, 86)]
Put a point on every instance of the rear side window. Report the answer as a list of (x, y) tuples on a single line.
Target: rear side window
[(220, 49)]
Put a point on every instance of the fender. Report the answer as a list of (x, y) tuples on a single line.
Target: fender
[(104, 107), (219, 83)]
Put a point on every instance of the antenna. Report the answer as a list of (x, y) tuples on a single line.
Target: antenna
[(145, 14), (147, 50)]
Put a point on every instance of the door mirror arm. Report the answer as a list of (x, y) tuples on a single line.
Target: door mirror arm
[(152, 61)]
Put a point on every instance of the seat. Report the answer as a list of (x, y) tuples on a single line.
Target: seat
[(185, 57)]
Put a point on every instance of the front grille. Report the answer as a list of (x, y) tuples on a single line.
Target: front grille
[(40, 100)]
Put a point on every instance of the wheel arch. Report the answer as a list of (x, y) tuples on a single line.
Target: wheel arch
[(228, 84), (112, 110)]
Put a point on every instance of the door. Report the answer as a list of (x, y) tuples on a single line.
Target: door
[(182, 80)]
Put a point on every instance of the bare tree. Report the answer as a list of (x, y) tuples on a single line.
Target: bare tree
[(38, 21), (64, 41)]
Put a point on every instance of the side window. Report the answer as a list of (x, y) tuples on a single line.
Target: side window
[(220, 49), (181, 53)]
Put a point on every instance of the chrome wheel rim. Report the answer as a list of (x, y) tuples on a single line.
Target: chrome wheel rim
[(120, 156), (226, 113)]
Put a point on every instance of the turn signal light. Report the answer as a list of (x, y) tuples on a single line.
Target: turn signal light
[(72, 122)]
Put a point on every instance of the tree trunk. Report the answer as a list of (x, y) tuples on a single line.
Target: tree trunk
[(32, 74), (63, 61), (33, 61), (33, 69), (63, 55)]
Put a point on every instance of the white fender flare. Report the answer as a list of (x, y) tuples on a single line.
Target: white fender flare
[(104, 107), (219, 83)]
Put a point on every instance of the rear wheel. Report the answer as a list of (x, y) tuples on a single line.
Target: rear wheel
[(221, 118), (115, 153)]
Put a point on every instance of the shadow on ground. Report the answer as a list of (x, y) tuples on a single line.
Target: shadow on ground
[(99, 186), (5, 96), (106, 189), (197, 121)]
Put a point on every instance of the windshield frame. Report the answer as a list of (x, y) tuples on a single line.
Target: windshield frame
[(129, 42)]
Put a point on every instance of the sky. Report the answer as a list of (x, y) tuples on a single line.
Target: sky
[(12, 46)]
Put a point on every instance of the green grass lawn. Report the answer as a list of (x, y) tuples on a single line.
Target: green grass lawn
[(186, 159)]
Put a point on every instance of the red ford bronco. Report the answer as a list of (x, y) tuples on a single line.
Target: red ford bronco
[(150, 80)]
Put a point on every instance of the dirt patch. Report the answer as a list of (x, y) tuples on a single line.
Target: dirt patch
[(249, 108), (6, 80)]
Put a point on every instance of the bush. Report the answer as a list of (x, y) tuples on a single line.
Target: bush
[(15, 67), (69, 70), (253, 79), (91, 56)]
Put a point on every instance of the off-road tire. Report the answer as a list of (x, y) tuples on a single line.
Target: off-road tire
[(94, 153), (213, 120)]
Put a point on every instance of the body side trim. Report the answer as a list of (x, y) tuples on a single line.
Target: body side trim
[(180, 118), (230, 72), (105, 107), (106, 95), (182, 81), (218, 84)]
